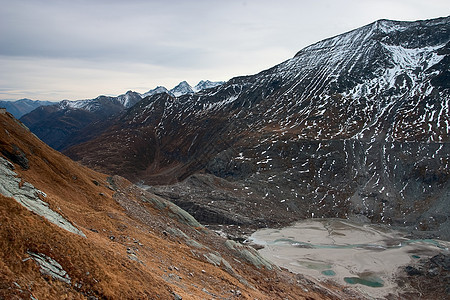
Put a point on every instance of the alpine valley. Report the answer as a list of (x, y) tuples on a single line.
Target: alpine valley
[(68, 232), (354, 127)]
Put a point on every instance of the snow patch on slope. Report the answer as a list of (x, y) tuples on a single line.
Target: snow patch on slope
[(157, 90), (206, 84)]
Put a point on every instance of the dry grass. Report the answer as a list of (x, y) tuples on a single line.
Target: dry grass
[(100, 265)]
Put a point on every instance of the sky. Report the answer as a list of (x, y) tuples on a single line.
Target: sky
[(79, 49)]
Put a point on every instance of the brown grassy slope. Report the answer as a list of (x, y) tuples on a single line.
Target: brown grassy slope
[(132, 249)]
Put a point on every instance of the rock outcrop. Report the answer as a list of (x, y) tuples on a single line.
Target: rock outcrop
[(30, 197)]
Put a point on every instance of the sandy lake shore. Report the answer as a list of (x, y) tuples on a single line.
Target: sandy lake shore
[(363, 257)]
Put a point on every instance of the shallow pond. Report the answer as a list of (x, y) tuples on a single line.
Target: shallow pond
[(361, 256), (372, 282)]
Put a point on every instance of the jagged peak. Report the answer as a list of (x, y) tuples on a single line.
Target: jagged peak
[(377, 30), (182, 88), (184, 83), (207, 84)]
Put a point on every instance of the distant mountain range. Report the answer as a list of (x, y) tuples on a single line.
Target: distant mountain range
[(60, 124), (356, 126), (19, 108), (183, 88)]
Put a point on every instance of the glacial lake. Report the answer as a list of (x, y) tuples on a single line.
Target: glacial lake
[(363, 257)]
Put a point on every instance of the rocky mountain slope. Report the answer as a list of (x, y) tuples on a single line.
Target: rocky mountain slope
[(58, 124), (64, 123), (353, 126), (21, 107), (69, 232)]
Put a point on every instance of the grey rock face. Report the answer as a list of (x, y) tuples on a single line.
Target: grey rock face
[(17, 156), (30, 197), (49, 266), (249, 254)]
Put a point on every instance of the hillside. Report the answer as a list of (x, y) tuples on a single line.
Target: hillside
[(71, 233)]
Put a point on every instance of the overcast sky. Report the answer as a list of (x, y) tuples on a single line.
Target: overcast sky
[(78, 49)]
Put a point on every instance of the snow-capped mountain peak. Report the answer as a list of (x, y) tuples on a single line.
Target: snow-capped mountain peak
[(182, 88), (126, 100), (129, 99), (158, 90), (206, 84)]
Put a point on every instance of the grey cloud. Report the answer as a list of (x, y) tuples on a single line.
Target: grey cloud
[(106, 31), (175, 37)]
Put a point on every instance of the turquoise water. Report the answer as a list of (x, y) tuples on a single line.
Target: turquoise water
[(328, 273), (367, 281), (426, 241), (325, 269), (353, 246)]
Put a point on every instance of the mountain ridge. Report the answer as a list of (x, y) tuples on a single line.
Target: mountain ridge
[(61, 124), (360, 126), (22, 106)]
